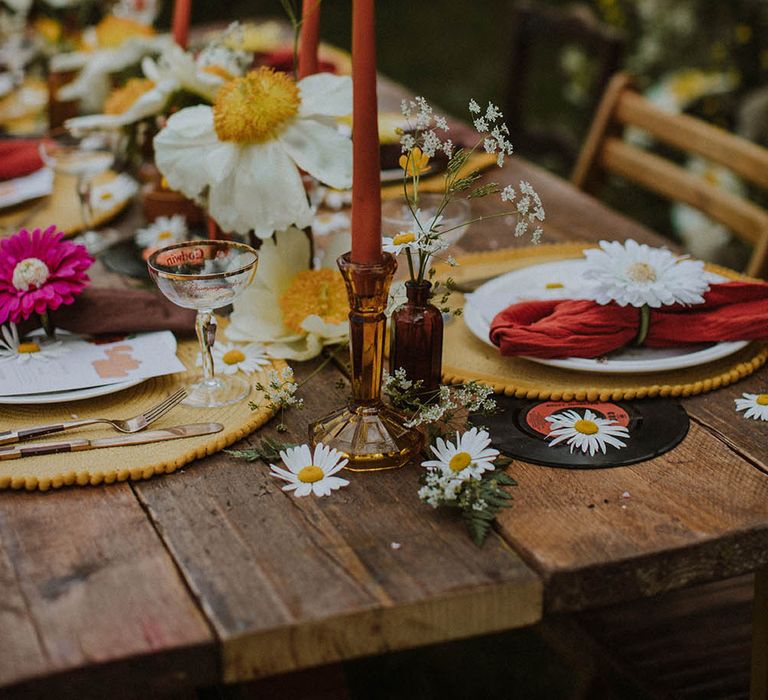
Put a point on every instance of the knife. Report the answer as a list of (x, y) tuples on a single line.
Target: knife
[(47, 448)]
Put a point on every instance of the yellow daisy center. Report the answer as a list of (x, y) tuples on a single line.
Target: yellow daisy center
[(585, 427), (314, 292), (233, 357), (122, 99), (402, 238), (27, 348), (311, 474), (459, 461), (164, 235), (104, 196), (48, 28), (641, 272), (113, 31), (253, 109), (762, 400), (553, 285), (416, 164)]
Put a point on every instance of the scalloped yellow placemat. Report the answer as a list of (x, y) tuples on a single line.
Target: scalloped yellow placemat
[(61, 208), (106, 466), (466, 357)]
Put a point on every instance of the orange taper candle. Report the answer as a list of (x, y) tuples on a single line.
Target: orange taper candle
[(310, 38), (181, 12), (366, 167)]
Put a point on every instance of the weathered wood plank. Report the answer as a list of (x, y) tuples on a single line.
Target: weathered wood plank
[(87, 584), (696, 514), (717, 412), (292, 583)]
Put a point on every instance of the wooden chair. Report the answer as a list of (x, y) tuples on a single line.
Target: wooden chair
[(605, 151), (535, 28)]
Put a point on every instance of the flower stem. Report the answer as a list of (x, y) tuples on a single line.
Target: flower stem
[(645, 324), (45, 322)]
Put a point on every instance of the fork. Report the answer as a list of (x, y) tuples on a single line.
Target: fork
[(129, 425)]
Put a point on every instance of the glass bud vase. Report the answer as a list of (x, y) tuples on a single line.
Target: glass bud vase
[(417, 338)]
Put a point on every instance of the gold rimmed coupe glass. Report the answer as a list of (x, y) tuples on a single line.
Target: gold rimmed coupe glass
[(206, 275)]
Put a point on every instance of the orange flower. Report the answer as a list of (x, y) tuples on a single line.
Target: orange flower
[(112, 31), (415, 162)]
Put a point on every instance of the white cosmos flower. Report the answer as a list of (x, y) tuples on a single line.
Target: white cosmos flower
[(292, 310), (163, 231), (230, 359), (92, 85), (176, 70), (108, 195), (31, 350), (755, 405), (636, 275), (468, 458), (587, 432), (243, 154), (308, 473)]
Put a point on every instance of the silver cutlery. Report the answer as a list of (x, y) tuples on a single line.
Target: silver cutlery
[(47, 448), (129, 425)]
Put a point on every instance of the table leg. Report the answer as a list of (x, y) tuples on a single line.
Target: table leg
[(759, 681)]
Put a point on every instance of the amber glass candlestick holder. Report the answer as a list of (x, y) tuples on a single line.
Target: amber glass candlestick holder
[(370, 433)]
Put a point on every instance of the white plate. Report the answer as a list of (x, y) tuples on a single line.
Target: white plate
[(90, 392), (66, 396), (532, 283)]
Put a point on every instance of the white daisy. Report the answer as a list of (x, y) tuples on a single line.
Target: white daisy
[(308, 473), (176, 70), (30, 350), (110, 194), (405, 240), (230, 359), (587, 432), (243, 154), (755, 405), (467, 459), (637, 275), (292, 310), (163, 231)]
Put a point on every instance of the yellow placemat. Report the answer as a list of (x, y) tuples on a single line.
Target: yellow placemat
[(436, 183), (106, 466), (466, 357), (61, 208)]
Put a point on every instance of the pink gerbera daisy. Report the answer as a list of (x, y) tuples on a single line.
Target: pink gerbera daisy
[(39, 272)]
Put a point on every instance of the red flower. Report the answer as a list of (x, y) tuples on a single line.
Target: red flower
[(39, 272)]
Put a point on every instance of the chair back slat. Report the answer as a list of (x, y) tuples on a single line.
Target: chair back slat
[(604, 151), (743, 157)]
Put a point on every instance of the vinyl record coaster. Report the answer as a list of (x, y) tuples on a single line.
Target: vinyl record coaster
[(521, 430)]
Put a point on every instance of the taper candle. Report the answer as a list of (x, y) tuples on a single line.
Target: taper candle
[(181, 12), (309, 38), (366, 167)]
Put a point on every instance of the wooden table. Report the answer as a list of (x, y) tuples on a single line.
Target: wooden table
[(214, 574)]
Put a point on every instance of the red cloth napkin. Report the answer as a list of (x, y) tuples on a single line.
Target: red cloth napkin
[(282, 60), (19, 157), (573, 328)]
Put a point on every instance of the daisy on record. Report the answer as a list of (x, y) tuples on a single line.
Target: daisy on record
[(588, 432)]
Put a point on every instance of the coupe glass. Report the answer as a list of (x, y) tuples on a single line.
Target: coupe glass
[(82, 158), (206, 275)]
